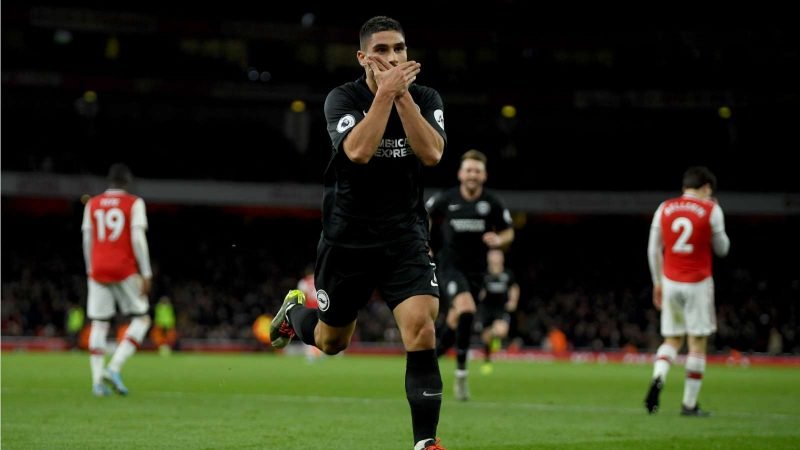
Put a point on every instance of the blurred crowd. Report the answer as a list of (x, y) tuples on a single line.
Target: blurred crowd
[(226, 269)]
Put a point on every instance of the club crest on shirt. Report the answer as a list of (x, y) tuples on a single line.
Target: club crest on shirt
[(483, 208), (346, 122), (323, 301), (439, 116)]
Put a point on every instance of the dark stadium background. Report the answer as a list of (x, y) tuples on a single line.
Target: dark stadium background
[(198, 101)]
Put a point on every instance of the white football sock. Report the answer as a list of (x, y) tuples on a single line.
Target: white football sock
[(133, 340), (421, 444), (97, 349), (695, 368), (665, 356)]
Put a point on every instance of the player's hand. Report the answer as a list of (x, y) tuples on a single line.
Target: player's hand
[(393, 79), (492, 239), (410, 68), (147, 283), (657, 296)]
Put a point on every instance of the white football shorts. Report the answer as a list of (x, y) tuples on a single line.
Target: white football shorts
[(127, 294), (688, 308)]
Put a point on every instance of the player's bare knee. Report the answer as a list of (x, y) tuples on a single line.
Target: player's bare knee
[(501, 330), (425, 335), (464, 304), (466, 308), (675, 342), (697, 344), (452, 318), (332, 346)]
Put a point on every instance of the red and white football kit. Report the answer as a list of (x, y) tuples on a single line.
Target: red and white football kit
[(684, 233)]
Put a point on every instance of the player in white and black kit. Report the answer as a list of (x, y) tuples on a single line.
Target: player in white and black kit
[(499, 299), (383, 130), (470, 221)]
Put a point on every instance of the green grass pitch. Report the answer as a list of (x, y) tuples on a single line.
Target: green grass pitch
[(264, 401)]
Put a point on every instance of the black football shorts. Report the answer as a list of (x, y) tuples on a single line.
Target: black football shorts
[(345, 277), (454, 282)]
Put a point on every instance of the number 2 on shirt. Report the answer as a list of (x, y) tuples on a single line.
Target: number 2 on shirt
[(685, 227)]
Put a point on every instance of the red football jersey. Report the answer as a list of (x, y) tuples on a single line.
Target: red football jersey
[(110, 217), (686, 230)]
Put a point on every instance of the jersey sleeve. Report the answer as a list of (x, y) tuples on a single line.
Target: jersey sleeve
[(434, 204), (717, 220), (138, 214), (86, 240), (432, 109), (719, 238), (656, 223), (342, 115), (501, 216), (655, 245), (512, 280), (87, 217)]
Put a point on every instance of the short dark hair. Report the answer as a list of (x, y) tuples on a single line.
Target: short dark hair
[(474, 154), (698, 176), (376, 25), (120, 175)]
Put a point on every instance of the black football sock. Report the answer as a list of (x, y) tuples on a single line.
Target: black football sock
[(303, 320), (463, 337), (446, 339), (424, 392)]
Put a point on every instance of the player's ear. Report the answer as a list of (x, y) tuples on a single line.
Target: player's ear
[(362, 59)]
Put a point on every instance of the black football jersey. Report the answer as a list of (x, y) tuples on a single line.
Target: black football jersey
[(461, 225), (381, 202), (496, 286)]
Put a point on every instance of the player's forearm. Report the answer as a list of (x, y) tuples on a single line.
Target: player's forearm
[(513, 298), (427, 144), (721, 243), (362, 143), (142, 252), (719, 239), (506, 237)]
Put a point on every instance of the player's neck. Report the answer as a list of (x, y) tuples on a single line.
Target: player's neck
[(697, 193), (470, 195)]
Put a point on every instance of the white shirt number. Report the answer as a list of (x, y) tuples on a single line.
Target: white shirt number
[(684, 226), (113, 220)]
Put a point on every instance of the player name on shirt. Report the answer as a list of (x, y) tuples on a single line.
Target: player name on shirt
[(498, 284), (692, 207), (461, 225)]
